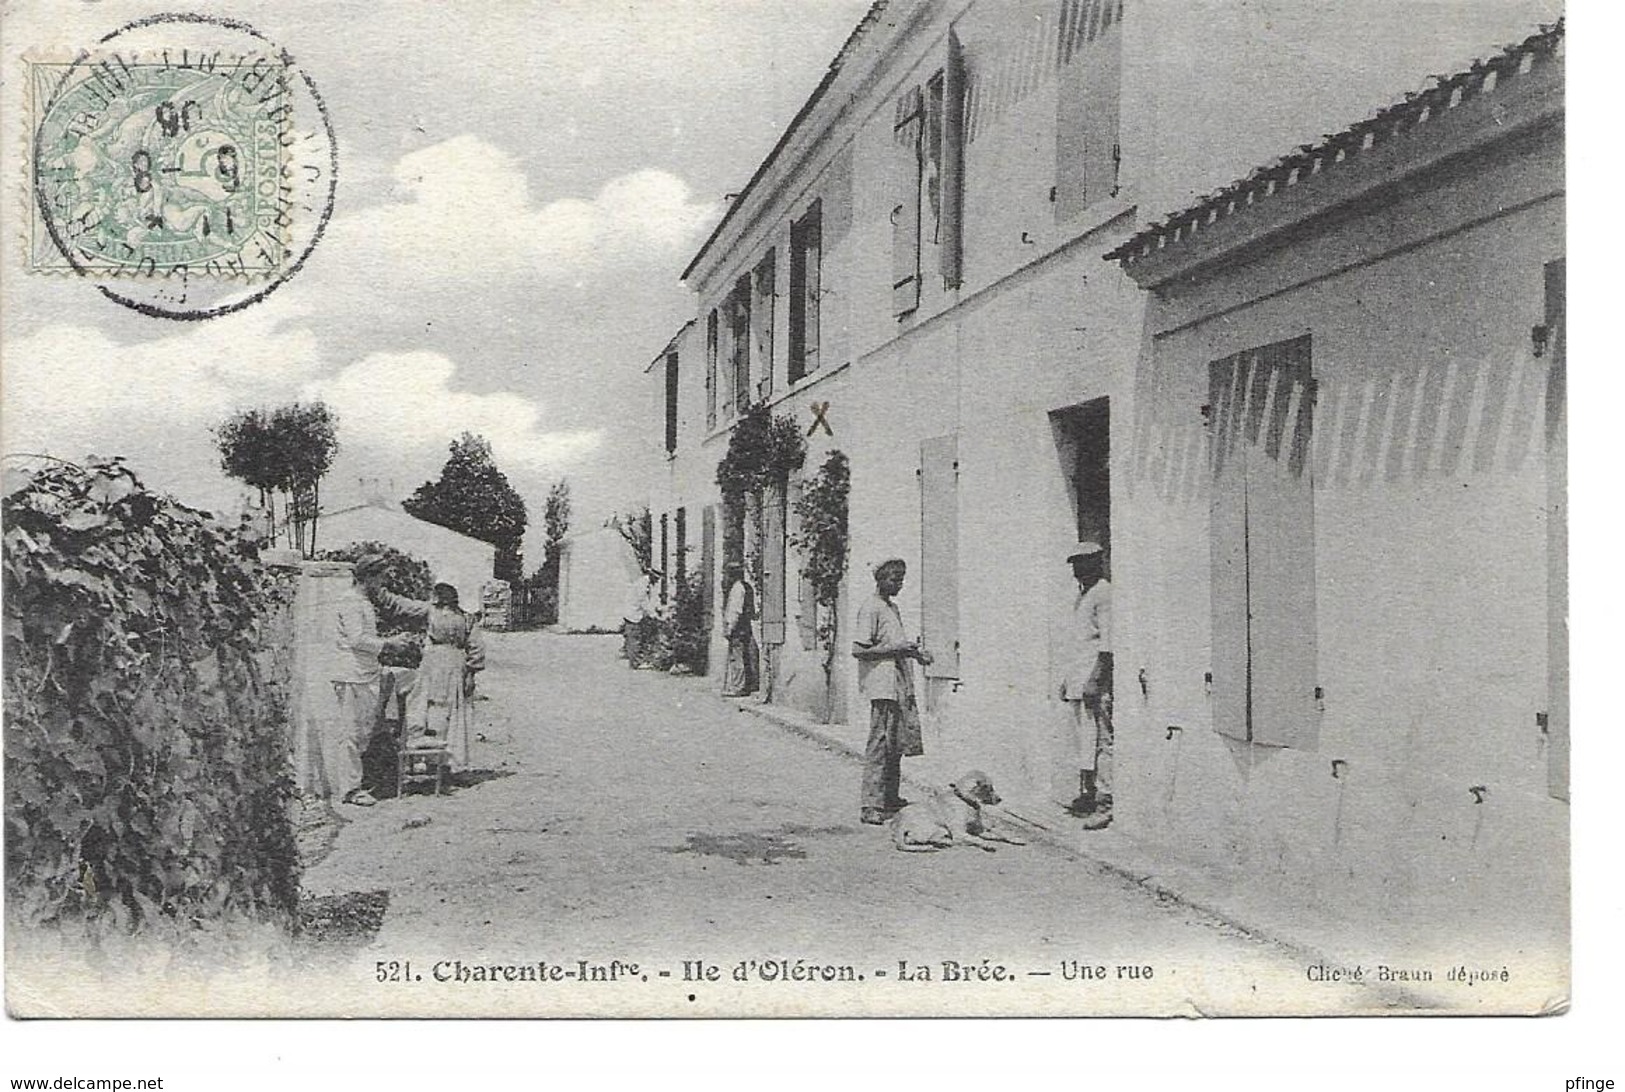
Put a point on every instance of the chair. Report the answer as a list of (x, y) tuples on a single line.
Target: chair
[(422, 763)]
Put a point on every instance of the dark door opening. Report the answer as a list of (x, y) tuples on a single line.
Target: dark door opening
[(1083, 445)]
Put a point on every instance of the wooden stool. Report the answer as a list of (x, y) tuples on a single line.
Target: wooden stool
[(422, 763)]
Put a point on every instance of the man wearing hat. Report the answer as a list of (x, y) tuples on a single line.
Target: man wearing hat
[(1086, 685), (354, 675)]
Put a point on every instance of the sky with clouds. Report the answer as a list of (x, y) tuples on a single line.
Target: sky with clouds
[(521, 186)]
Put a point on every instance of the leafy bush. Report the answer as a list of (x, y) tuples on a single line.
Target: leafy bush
[(681, 639), (822, 538), (762, 449), (146, 688), (405, 575)]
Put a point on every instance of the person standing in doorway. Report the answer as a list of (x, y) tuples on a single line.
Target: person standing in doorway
[(741, 676), (636, 620), (1086, 685), (885, 658)]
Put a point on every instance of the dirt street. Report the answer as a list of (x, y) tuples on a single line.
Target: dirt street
[(635, 817)]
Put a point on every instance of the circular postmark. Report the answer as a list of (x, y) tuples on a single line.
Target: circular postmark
[(185, 164)]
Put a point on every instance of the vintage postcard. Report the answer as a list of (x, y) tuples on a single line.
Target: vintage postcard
[(793, 508)]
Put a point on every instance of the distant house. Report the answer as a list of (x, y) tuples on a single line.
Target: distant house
[(464, 562), (596, 572)]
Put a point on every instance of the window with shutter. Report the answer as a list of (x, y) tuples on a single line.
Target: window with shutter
[(680, 560), (806, 284), (765, 294), (739, 343), (939, 555), (671, 402), (908, 142), (949, 229), (665, 557), (711, 370), (1261, 413), (773, 559), (1087, 153)]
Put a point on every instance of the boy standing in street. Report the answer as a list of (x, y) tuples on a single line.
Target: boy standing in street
[(886, 678)]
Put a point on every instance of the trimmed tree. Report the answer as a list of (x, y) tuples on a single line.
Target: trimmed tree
[(285, 450), (474, 498)]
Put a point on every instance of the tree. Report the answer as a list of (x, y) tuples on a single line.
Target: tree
[(474, 498), (637, 528), (556, 521), (285, 450)]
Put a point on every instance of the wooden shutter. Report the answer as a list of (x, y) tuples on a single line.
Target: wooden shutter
[(708, 563), (680, 560), (1088, 105), (739, 342), (1227, 532), (939, 554), (950, 231), (804, 288), (761, 317), (1557, 536), (665, 557), (671, 402), (1261, 406), (711, 370), (905, 217), (1281, 548), (773, 565)]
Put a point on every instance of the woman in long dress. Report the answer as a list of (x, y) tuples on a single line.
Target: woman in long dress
[(440, 705), (740, 676)]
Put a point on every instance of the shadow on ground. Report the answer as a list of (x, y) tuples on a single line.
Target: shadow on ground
[(756, 847)]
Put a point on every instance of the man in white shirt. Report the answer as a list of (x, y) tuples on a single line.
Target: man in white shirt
[(886, 677), (1086, 685), (354, 676)]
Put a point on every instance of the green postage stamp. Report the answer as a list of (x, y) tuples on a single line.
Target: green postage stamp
[(164, 164)]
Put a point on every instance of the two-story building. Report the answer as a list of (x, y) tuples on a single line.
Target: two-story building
[(917, 275)]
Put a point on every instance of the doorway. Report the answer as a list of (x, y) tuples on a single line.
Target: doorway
[(1083, 445)]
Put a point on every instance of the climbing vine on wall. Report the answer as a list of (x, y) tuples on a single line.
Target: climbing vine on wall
[(763, 449), (146, 688), (822, 538)]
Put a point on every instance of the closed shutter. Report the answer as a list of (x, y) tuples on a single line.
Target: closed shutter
[(1088, 105), (773, 565), (953, 164), (1262, 546), (665, 557), (671, 402), (1557, 537), (1281, 550), (939, 555), (681, 559), (1228, 543), (711, 370), (739, 334), (905, 217), (708, 563), (761, 317), (806, 591)]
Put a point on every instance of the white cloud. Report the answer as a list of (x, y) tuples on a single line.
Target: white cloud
[(407, 402), (70, 391), (462, 210)]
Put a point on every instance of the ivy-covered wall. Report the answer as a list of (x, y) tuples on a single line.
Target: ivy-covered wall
[(146, 686)]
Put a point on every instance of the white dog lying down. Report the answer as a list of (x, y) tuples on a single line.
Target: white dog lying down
[(951, 818)]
